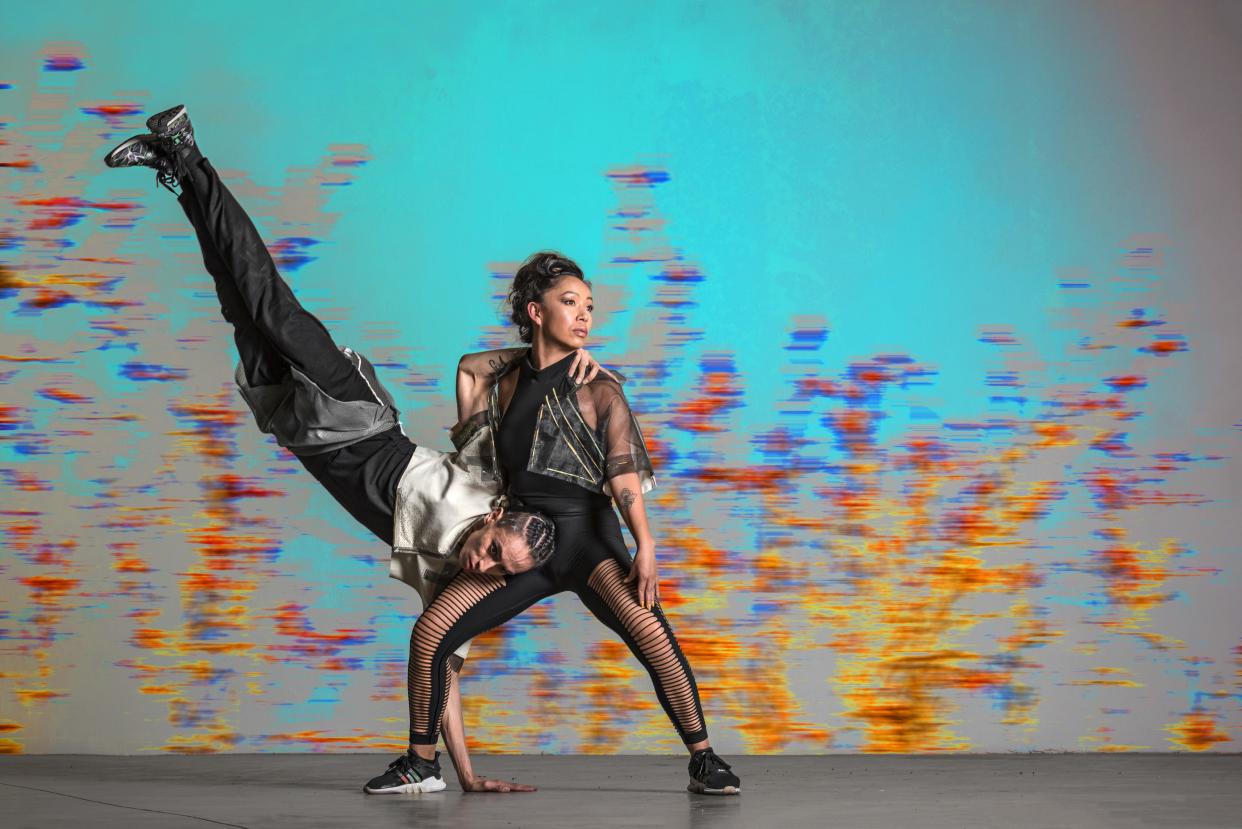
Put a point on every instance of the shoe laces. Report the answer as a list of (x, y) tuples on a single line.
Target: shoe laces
[(165, 176), (402, 763), (709, 761), (406, 762)]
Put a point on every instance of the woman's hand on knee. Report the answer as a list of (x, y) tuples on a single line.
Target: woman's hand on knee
[(643, 571)]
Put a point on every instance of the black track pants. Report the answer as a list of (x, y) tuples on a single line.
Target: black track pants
[(273, 331)]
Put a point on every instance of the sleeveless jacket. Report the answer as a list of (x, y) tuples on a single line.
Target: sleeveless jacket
[(584, 434)]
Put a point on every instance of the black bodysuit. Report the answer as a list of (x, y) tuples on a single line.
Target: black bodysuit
[(591, 559)]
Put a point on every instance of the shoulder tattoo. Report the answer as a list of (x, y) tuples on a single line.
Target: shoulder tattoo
[(496, 364)]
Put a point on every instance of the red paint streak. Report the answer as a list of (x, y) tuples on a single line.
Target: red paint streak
[(113, 110), (751, 479), (44, 299), (231, 487), (1162, 347), (29, 482), (64, 395), (75, 202), (1126, 382), (49, 590)]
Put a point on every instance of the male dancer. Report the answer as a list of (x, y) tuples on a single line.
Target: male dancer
[(439, 512)]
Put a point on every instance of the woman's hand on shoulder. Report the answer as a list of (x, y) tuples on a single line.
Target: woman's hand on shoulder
[(584, 368)]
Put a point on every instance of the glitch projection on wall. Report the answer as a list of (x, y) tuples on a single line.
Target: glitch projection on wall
[(846, 571)]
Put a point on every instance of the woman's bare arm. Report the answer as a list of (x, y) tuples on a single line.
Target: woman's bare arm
[(628, 495), (474, 376), (454, 728)]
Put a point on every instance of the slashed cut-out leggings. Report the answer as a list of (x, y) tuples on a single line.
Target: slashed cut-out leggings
[(591, 559)]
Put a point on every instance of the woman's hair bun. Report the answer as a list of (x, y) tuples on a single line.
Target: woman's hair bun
[(538, 273)]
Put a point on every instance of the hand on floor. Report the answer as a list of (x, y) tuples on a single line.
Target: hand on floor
[(484, 784)]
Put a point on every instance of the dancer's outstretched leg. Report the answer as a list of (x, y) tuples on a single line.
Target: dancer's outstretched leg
[(223, 226), (345, 430), (296, 334), (233, 250), (262, 363)]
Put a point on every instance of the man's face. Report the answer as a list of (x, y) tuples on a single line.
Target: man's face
[(493, 551)]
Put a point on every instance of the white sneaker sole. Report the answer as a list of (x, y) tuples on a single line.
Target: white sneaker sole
[(696, 787), (431, 784)]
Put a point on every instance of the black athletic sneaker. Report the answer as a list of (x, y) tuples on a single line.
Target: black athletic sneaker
[(173, 128), (408, 773), (710, 775), (143, 151)]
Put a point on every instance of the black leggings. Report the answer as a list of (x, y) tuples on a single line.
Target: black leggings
[(273, 332), (591, 559)]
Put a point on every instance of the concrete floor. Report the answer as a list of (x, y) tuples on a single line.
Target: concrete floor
[(929, 792)]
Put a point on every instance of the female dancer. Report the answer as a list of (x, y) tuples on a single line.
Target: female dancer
[(439, 512), (560, 444)]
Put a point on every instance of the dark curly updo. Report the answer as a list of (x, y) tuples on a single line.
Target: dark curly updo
[(538, 273)]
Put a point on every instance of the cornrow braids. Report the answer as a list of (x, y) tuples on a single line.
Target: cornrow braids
[(536, 529)]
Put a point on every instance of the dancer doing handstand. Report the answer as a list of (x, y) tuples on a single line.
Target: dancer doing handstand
[(438, 512)]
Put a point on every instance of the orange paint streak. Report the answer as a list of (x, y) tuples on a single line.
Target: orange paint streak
[(49, 590), (1197, 731), (124, 563), (29, 695)]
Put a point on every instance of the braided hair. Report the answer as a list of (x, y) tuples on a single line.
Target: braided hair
[(536, 529), (535, 278)]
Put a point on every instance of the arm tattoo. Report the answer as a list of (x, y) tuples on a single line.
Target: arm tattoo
[(496, 364), (627, 499)]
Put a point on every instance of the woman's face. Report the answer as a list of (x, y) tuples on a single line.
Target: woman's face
[(563, 316)]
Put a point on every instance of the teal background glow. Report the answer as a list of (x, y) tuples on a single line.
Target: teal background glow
[(903, 177)]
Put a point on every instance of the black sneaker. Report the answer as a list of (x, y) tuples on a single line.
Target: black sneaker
[(710, 775), (173, 129), (408, 773), (143, 151)]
